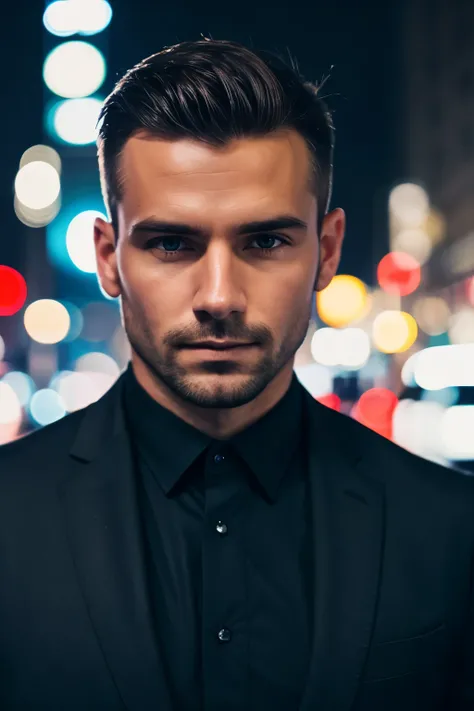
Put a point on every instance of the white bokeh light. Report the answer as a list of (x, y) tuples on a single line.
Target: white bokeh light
[(97, 363), (325, 346), (456, 432), (22, 384), (444, 366), (410, 204), (74, 70), (47, 321), (80, 240), (64, 18), (75, 120), (59, 18), (37, 185), (46, 406), (354, 348), (2, 348), (10, 406), (101, 370), (315, 378)]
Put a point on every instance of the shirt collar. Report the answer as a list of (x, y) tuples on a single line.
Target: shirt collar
[(171, 445)]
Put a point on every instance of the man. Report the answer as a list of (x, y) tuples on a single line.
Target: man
[(207, 536)]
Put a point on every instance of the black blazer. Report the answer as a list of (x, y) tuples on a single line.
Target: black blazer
[(393, 606)]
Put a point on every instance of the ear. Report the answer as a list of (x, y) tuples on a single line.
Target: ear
[(106, 257), (330, 246)]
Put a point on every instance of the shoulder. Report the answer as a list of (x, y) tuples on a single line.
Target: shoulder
[(391, 464), (37, 452)]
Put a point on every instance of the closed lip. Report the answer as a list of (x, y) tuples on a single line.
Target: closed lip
[(217, 345)]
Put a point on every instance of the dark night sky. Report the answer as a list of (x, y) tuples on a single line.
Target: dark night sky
[(360, 40)]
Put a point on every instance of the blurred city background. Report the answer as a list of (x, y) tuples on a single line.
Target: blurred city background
[(391, 342)]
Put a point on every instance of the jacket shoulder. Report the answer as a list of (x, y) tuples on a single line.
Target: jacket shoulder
[(44, 444), (389, 462)]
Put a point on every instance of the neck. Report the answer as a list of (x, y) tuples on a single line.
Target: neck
[(218, 423)]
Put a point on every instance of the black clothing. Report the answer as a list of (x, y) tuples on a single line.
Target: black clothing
[(229, 536), (392, 608)]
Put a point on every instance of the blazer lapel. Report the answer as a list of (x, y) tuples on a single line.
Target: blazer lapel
[(348, 528), (103, 528)]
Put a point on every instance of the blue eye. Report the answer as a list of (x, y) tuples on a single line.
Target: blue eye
[(170, 245)]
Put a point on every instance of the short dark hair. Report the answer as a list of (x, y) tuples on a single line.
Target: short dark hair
[(214, 91)]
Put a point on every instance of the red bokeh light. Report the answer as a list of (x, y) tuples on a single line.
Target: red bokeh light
[(13, 291), (399, 273), (375, 409), (331, 400), (470, 290)]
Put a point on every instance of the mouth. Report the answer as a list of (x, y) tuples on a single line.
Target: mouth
[(216, 346), (219, 350)]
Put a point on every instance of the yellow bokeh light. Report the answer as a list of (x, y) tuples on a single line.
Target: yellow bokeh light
[(344, 301), (47, 321), (394, 331)]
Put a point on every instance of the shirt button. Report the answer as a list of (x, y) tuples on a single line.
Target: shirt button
[(224, 635), (218, 458), (221, 528)]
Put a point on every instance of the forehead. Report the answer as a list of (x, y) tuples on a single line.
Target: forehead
[(189, 176)]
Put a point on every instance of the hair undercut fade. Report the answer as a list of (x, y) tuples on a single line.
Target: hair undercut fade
[(213, 91)]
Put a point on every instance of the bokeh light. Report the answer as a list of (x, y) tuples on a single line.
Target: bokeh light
[(47, 321), (80, 240), (456, 432), (98, 363), (11, 414), (461, 326), (331, 400), (37, 185), (59, 19), (443, 367), (316, 378), (74, 69), (74, 121), (470, 290), (22, 384), (46, 406), (417, 427), (325, 346), (410, 204), (415, 242), (432, 314), (10, 407), (399, 273), (76, 321), (2, 348), (375, 409), (344, 301), (64, 18), (13, 291), (394, 331), (348, 348), (36, 218), (43, 154)]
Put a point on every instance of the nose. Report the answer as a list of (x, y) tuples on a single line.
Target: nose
[(219, 292)]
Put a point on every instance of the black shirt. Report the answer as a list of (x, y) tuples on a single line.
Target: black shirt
[(228, 537)]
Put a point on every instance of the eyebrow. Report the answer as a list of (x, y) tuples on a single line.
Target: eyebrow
[(165, 227)]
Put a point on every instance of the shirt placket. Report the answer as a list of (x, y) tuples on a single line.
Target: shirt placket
[(224, 621)]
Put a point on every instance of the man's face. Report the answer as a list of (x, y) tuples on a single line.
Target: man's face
[(214, 244)]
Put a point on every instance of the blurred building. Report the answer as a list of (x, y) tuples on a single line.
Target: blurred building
[(439, 113)]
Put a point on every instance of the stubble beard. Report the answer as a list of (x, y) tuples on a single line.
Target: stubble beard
[(222, 391)]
